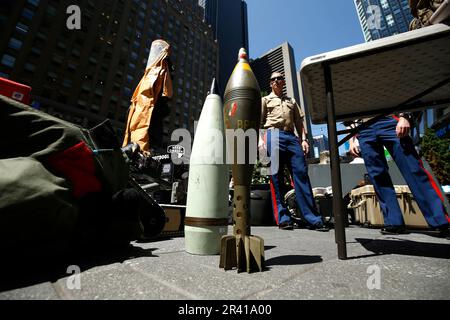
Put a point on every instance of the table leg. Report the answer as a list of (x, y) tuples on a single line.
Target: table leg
[(338, 208)]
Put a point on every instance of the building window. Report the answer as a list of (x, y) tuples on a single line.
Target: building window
[(52, 76), (41, 36), (33, 2), (384, 4), (36, 52), (86, 87), (71, 66), (27, 14), (15, 44), (21, 28), (127, 92), (57, 59), (390, 20), (29, 67), (67, 83), (82, 104), (62, 46), (8, 60), (76, 53)]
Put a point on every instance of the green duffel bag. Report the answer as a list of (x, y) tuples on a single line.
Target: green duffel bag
[(59, 182)]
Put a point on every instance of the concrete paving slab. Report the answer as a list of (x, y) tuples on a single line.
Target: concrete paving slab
[(121, 282), (300, 265), (43, 291)]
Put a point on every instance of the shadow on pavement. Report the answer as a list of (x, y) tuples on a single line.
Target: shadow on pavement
[(405, 247), (293, 260), (19, 272), (158, 239)]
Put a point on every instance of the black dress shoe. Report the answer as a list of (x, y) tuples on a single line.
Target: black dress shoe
[(286, 226), (444, 231), (393, 230), (322, 229), (329, 225), (319, 227)]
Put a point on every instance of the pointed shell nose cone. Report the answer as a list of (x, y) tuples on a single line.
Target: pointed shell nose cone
[(214, 89), (243, 54)]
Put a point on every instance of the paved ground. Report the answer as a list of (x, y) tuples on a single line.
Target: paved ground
[(301, 264)]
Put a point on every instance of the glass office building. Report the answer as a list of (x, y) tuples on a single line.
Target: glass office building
[(228, 20), (383, 18)]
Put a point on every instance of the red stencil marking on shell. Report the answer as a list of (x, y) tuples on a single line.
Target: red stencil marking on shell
[(233, 109)]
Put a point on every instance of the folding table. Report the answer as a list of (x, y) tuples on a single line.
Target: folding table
[(404, 72)]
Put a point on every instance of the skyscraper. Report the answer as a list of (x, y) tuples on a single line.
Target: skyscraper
[(228, 20), (320, 144), (383, 18), (280, 59), (86, 75)]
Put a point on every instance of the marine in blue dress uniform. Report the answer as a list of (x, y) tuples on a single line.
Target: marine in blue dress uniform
[(283, 114), (392, 132)]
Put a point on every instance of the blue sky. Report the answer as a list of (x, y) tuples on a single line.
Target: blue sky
[(310, 27)]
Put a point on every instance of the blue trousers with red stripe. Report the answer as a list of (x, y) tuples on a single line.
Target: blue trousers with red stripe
[(290, 153), (371, 140)]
